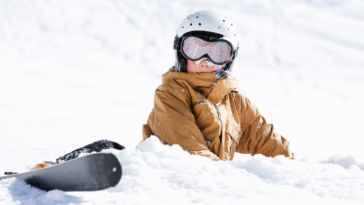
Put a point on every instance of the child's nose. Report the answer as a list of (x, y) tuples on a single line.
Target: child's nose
[(204, 64)]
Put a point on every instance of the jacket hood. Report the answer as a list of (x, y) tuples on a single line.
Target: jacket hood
[(211, 88)]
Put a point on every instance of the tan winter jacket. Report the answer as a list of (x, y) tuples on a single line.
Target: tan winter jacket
[(208, 117)]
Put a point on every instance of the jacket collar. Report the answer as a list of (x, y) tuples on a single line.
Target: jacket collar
[(214, 90)]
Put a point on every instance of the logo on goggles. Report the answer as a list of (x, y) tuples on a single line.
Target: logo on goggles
[(219, 51)]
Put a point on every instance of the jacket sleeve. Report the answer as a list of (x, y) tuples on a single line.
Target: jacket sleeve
[(258, 136), (173, 122)]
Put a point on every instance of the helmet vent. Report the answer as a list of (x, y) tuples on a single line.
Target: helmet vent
[(223, 20), (231, 24), (196, 16), (182, 26), (199, 24), (190, 24)]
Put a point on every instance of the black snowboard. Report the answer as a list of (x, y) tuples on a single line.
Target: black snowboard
[(89, 173)]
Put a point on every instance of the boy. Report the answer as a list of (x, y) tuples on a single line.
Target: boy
[(198, 106)]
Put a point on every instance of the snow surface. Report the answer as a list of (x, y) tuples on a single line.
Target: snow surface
[(73, 72)]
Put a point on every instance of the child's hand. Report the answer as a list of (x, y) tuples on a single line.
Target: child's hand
[(40, 166)]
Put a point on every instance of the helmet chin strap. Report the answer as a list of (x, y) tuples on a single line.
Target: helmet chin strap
[(221, 73)]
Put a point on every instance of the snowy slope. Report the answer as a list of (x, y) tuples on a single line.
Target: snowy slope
[(73, 72)]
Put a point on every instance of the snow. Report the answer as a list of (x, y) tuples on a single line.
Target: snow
[(73, 72), (159, 174)]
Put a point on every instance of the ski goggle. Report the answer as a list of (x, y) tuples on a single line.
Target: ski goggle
[(194, 48)]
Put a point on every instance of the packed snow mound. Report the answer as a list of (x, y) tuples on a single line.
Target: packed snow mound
[(169, 174), (165, 174)]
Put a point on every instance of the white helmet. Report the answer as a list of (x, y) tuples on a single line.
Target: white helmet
[(210, 23)]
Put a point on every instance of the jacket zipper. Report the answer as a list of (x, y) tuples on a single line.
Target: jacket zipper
[(219, 115), (222, 124)]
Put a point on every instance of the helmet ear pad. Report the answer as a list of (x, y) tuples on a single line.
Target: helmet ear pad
[(181, 62), (228, 66)]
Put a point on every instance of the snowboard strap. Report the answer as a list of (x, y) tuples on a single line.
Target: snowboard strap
[(97, 146)]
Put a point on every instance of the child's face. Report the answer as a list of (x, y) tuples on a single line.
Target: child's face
[(202, 66)]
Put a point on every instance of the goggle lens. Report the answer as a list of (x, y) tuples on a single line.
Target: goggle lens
[(219, 51)]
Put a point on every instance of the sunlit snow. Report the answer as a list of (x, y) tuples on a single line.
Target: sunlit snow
[(73, 72)]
